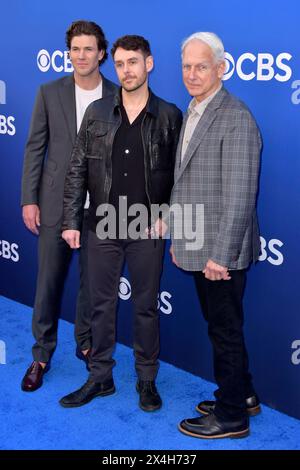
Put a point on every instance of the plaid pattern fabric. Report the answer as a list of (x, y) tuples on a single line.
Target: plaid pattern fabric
[(220, 171)]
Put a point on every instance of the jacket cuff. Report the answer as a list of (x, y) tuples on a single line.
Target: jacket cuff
[(70, 225)]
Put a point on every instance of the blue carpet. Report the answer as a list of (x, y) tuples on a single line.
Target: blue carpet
[(36, 420)]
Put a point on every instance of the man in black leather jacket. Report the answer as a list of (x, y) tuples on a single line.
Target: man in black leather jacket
[(124, 154)]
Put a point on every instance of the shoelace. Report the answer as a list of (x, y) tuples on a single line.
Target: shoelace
[(147, 385)]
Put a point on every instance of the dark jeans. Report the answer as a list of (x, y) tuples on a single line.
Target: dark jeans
[(221, 303), (144, 260), (54, 257)]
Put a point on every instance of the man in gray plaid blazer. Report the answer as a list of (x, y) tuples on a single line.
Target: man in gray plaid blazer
[(216, 175)]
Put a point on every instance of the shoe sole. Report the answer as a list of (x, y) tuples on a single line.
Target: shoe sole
[(256, 410), (100, 394), (30, 390), (232, 435), (150, 408)]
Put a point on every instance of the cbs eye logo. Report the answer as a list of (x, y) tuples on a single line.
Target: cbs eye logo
[(124, 289), (43, 60), (230, 66)]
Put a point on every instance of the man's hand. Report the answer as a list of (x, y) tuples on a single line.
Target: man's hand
[(173, 256), (160, 228), (216, 272), (31, 217), (72, 237)]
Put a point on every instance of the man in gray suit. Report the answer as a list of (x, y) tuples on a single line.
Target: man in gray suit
[(217, 169), (56, 119)]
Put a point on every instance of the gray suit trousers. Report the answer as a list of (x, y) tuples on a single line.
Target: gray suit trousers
[(54, 257)]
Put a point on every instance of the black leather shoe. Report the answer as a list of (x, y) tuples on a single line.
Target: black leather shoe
[(252, 404), (210, 427), (149, 396), (33, 379), (87, 393), (84, 357)]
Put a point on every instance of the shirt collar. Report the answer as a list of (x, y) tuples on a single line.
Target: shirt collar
[(151, 106), (195, 107)]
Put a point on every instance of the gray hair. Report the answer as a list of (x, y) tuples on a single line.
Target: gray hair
[(211, 39)]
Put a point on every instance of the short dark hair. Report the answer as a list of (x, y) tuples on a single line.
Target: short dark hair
[(89, 28), (132, 43)]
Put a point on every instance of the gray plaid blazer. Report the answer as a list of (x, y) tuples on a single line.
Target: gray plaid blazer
[(220, 173)]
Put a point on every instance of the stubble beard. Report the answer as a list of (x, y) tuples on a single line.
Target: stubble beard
[(135, 87)]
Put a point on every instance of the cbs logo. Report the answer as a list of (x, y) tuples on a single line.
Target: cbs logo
[(59, 61), (6, 122), (163, 300), (7, 125), (263, 66), (9, 251), (270, 252)]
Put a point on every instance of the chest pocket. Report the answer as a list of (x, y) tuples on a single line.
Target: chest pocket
[(161, 149), (97, 135)]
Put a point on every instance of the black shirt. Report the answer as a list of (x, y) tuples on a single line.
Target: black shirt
[(128, 168)]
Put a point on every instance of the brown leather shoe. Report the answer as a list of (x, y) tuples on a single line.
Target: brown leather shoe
[(33, 379)]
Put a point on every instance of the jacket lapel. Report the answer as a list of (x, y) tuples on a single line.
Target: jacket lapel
[(108, 87), (202, 127), (67, 99), (179, 146)]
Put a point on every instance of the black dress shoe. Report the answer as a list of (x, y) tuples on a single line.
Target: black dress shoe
[(210, 427), (33, 379), (84, 357), (149, 396), (87, 393), (252, 405)]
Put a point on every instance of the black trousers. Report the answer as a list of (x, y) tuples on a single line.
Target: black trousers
[(105, 261), (221, 303), (54, 257)]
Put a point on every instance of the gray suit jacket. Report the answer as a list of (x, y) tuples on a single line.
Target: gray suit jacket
[(51, 138), (220, 172)]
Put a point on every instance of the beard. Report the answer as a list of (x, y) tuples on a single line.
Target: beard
[(135, 85)]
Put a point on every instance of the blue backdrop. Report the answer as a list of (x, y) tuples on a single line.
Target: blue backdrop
[(263, 69)]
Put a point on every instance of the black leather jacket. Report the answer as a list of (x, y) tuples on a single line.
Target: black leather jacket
[(90, 166)]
